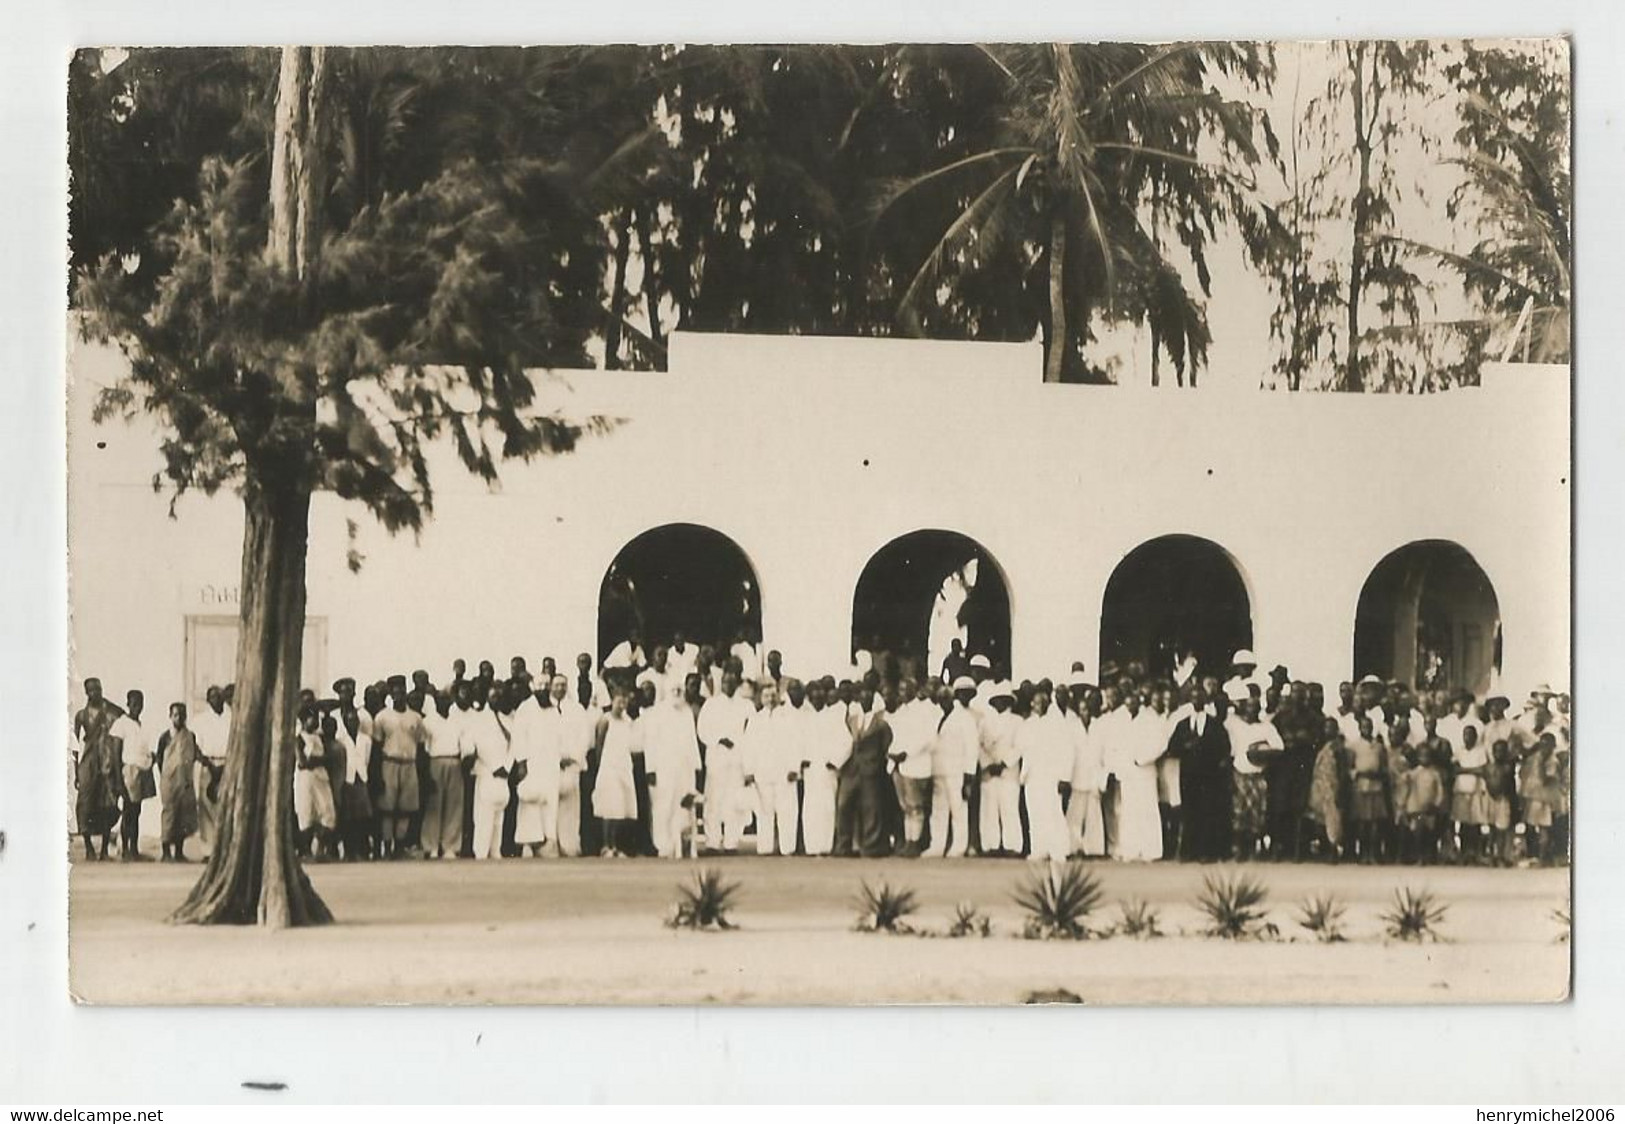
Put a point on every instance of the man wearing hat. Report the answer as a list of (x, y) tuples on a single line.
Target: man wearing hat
[(953, 769), (1000, 810), (1046, 750), (1244, 675), (1086, 830)]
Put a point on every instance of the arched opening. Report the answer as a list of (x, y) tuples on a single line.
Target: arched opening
[(1428, 616), (679, 578), (1171, 598), (920, 593)]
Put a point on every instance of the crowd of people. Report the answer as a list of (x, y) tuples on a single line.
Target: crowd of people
[(685, 748)]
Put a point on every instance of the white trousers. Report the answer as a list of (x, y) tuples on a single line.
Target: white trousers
[(1047, 822), (818, 811), (667, 817), (728, 806), (950, 817), (775, 818), (490, 798), (1001, 813), (567, 815), (536, 820), (1085, 824)]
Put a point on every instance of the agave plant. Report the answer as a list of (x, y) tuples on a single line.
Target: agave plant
[(969, 921), (1415, 915), (704, 902), (1139, 919), (883, 908), (1322, 915), (1234, 904), (1059, 901)]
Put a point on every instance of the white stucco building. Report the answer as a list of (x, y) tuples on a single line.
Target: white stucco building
[(813, 454)]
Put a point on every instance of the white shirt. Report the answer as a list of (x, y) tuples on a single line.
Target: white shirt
[(958, 744), (668, 684), (829, 736), (671, 745), (1046, 747), (439, 734), (482, 737), (575, 730), (137, 743), (1088, 766), (211, 731), (624, 654), (769, 745), (1243, 736), (999, 740), (749, 656), (723, 718), (913, 732), (534, 739)]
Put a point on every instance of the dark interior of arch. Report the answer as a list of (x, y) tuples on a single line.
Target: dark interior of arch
[(1428, 616), (891, 608), (680, 577), (1175, 594)]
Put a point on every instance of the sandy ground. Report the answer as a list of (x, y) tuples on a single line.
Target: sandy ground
[(590, 931)]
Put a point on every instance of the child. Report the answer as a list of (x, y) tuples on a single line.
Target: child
[(1498, 787), (1469, 803), (1427, 799), (177, 753), (312, 790), (1369, 767)]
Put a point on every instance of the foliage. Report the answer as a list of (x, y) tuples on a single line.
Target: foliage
[(1139, 919), (1059, 901), (1091, 161), (1234, 904), (1322, 914), (1344, 280), (969, 921), (1414, 915), (449, 276), (704, 902), (883, 909)]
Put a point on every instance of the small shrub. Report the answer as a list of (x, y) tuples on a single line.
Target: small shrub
[(1139, 919), (1415, 915), (1059, 901), (1322, 915), (1234, 906), (705, 902), (970, 922), (882, 909), (1565, 923)]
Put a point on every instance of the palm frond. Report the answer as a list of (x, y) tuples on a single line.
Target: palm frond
[(1234, 904)]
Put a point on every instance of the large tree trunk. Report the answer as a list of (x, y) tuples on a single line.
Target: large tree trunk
[(253, 875), (1059, 338), (1353, 372), (651, 288), (617, 295)]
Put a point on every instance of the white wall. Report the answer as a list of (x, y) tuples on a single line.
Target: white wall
[(813, 453)]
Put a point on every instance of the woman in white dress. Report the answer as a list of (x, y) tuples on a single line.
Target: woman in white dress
[(614, 794)]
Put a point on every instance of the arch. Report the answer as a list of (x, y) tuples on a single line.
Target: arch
[(1429, 616), (919, 590), (679, 577), (1174, 595)]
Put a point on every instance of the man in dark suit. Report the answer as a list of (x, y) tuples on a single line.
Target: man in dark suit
[(1203, 750)]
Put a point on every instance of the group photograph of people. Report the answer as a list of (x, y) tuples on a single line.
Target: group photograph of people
[(682, 749)]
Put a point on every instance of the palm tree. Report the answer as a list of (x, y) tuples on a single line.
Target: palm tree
[(1092, 150)]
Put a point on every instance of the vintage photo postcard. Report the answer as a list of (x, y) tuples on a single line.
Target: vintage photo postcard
[(976, 524)]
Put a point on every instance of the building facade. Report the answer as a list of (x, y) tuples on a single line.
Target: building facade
[(1415, 536)]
